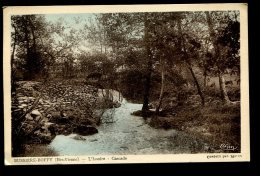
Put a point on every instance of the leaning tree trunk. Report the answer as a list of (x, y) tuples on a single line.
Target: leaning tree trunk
[(223, 90), (197, 85), (162, 89), (186, 59)]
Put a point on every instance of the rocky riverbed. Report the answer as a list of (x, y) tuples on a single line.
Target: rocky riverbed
[(56, 108)]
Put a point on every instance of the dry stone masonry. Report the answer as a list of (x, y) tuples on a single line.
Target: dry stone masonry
[(61, 109)]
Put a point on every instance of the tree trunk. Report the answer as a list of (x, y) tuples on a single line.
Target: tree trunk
[(186, 58), (14, 46), (223, 90), (197, 85), (111, 96), (222, 85), (101, 47), (205, 80), (34, 38), (162, 88), (107, 94), (119, 96), (29, 73), (13, 70), (147, 86), (148, 73)]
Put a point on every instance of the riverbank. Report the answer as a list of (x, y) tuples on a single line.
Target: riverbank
[(216, 123), (40, 111)]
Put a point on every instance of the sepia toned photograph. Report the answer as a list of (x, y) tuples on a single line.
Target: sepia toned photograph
[(126, 84)]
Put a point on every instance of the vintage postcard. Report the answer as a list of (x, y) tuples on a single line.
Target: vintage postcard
[(126, 84)]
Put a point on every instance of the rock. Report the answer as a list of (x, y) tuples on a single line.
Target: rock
[(35, 113), (44, 137), (49, 124), (78, 137), (46, 101), (28, 117), (31, 98), (38, 118), (116, 104), (44, 120), (85, 130), (24, 105), (20, 101), (41, 101), (93, 140), (22, 98)]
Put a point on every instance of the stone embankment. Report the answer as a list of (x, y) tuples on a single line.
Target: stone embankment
[(54, 109)]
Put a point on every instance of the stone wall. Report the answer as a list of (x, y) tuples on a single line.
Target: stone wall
[(61, 109)]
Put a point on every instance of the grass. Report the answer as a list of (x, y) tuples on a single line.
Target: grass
[(215, 124)]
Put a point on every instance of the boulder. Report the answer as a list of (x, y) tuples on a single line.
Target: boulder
[(35, 113), (85, 130)]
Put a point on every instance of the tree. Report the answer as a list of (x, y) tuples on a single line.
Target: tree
[(14, 36), (125, 30), (188, 48), (226, 45), (163, 46), (27, 52), (148, 60), (95, 33)]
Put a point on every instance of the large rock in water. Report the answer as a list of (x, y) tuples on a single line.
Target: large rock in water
[(85, 130)]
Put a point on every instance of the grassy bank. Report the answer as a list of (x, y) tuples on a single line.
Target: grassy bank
[(215, 124)]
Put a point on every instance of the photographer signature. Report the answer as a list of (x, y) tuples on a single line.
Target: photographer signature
[(227, 147)]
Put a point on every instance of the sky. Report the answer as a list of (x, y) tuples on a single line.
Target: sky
[(75, 21), (72, 20)]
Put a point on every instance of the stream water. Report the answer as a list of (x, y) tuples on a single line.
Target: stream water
[(127, 135)]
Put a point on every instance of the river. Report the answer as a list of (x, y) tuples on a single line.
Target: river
[(127, 135)]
